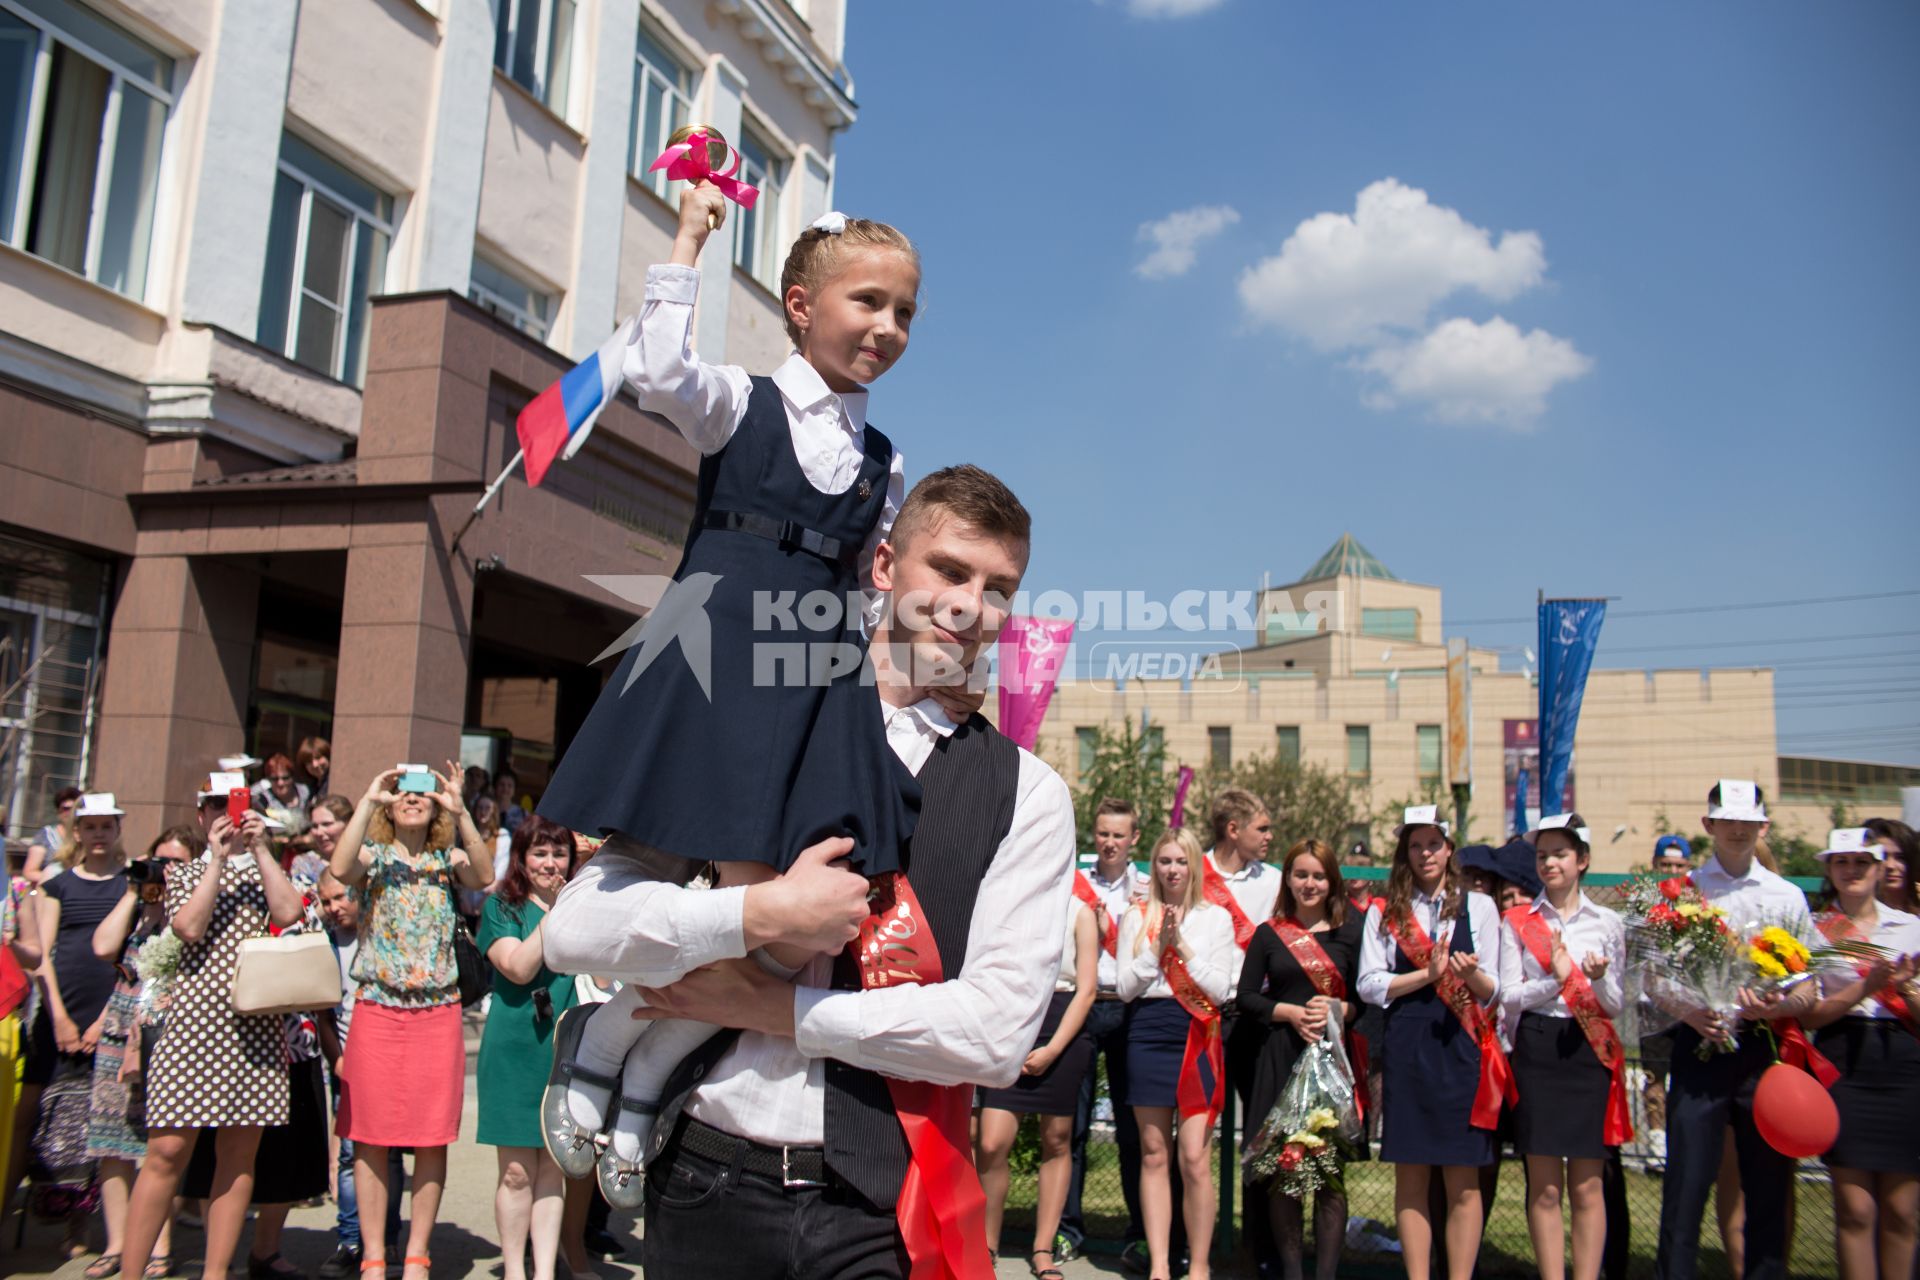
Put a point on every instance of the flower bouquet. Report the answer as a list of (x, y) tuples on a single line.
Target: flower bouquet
[(1684, 953), (1314, 1129), (157, 962)]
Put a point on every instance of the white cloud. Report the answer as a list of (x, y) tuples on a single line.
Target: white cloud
[(1353, 280), (1177, 237), (1170, 8), (1468, 372)]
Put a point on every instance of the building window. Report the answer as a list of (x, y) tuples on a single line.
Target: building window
[(1286, 742), (326, 257), (83, 107), (533, 45), (1426, 740), (499, 292), (1359, 751), (1088, 743), (1391, 624), (1220, 746), (662, 102), (756, 234)]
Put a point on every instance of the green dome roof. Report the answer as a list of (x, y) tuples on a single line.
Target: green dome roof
[(1349, 557)]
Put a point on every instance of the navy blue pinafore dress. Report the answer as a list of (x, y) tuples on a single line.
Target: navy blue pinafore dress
[(771, 752), (1430, 1077)]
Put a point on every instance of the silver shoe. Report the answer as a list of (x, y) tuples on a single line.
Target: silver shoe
[(571, 1146), (624, 1184)]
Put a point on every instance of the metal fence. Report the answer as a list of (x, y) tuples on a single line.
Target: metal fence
[(1506, 1249)]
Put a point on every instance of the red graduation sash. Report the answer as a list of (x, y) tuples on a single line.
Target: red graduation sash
[(1083, 889), (1496, 1076), (1319, 968), (942, 1208), (1835, 926), (1214, 886), (1202, 1089), (1532, 930)]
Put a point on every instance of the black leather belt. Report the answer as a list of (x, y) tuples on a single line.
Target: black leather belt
[(785, 532), (790, 1166)]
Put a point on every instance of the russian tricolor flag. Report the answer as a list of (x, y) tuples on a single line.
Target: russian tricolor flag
[(559, 420)]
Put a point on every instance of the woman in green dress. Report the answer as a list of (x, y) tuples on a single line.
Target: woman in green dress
[(517, 1046)]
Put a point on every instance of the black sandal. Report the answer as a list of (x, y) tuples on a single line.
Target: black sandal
[(107, 1264), (1044, 1273)]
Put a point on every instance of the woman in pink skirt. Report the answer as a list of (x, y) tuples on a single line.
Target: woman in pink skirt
[(403, 1073)]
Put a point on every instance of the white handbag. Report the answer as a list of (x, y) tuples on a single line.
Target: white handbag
[(293, 973)]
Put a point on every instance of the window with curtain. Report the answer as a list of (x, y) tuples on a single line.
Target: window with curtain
[(1220, 746), (756, 231), (83, 111), (662, 102), (500, 292), (327, 242), (533, 46)]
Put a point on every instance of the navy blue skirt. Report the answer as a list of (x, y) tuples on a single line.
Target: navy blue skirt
[(1156, 1045), (1428, 1083), (740, 726)]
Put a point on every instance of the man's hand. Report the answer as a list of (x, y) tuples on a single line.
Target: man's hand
[(1710, 1025), (818, 905), (731, 993), (1755, 1006)]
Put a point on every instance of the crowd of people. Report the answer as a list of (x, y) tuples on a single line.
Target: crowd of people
[(146, 1096), (1471, 958)]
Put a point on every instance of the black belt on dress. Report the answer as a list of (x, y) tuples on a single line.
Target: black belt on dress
[(791, 1166), (785, 532)]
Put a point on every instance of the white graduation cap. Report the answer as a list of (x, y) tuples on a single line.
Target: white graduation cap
[(1852, 840), (1739, 802), (218, 784), (98, 804), (1424, 815), (1564, 822)]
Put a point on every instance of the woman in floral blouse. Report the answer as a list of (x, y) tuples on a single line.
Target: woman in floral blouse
[(403, 1074)]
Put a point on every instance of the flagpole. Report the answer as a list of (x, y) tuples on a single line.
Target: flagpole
[(486, 497)]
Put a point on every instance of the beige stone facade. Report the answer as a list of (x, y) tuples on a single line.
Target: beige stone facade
[(1361, 689)]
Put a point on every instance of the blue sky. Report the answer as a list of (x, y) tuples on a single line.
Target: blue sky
[(1648, 333)]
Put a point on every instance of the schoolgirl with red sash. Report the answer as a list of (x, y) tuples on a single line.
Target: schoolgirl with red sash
[(1430, 957), (1562, 959), (1176, 958), (1865, 1024)]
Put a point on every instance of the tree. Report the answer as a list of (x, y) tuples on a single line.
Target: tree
[(1126, 766), (1305, 800)]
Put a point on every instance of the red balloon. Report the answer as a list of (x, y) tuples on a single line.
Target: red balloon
[(1794, 1112)]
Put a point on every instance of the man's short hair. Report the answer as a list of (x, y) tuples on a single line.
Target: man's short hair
[(974, 497), (1115, 807), (1235, 804)]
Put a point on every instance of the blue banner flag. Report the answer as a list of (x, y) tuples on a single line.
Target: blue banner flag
[(1520, 823), (1569, 633)]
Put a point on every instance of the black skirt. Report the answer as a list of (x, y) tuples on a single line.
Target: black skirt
[(1056, 1091), (1878, 1095), (1563, 1090), (1428, 1084)]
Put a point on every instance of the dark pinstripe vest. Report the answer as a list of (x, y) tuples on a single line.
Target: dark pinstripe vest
[(969, 786)]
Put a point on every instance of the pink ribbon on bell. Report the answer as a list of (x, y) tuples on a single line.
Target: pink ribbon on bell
[(690, 161)]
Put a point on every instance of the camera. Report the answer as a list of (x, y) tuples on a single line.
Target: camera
[(542, 1004), (144, 871)]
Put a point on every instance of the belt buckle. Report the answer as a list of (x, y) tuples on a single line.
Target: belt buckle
[(786, 1171)]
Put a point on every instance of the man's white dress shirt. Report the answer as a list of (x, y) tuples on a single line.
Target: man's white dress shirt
[(973, 1029)]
